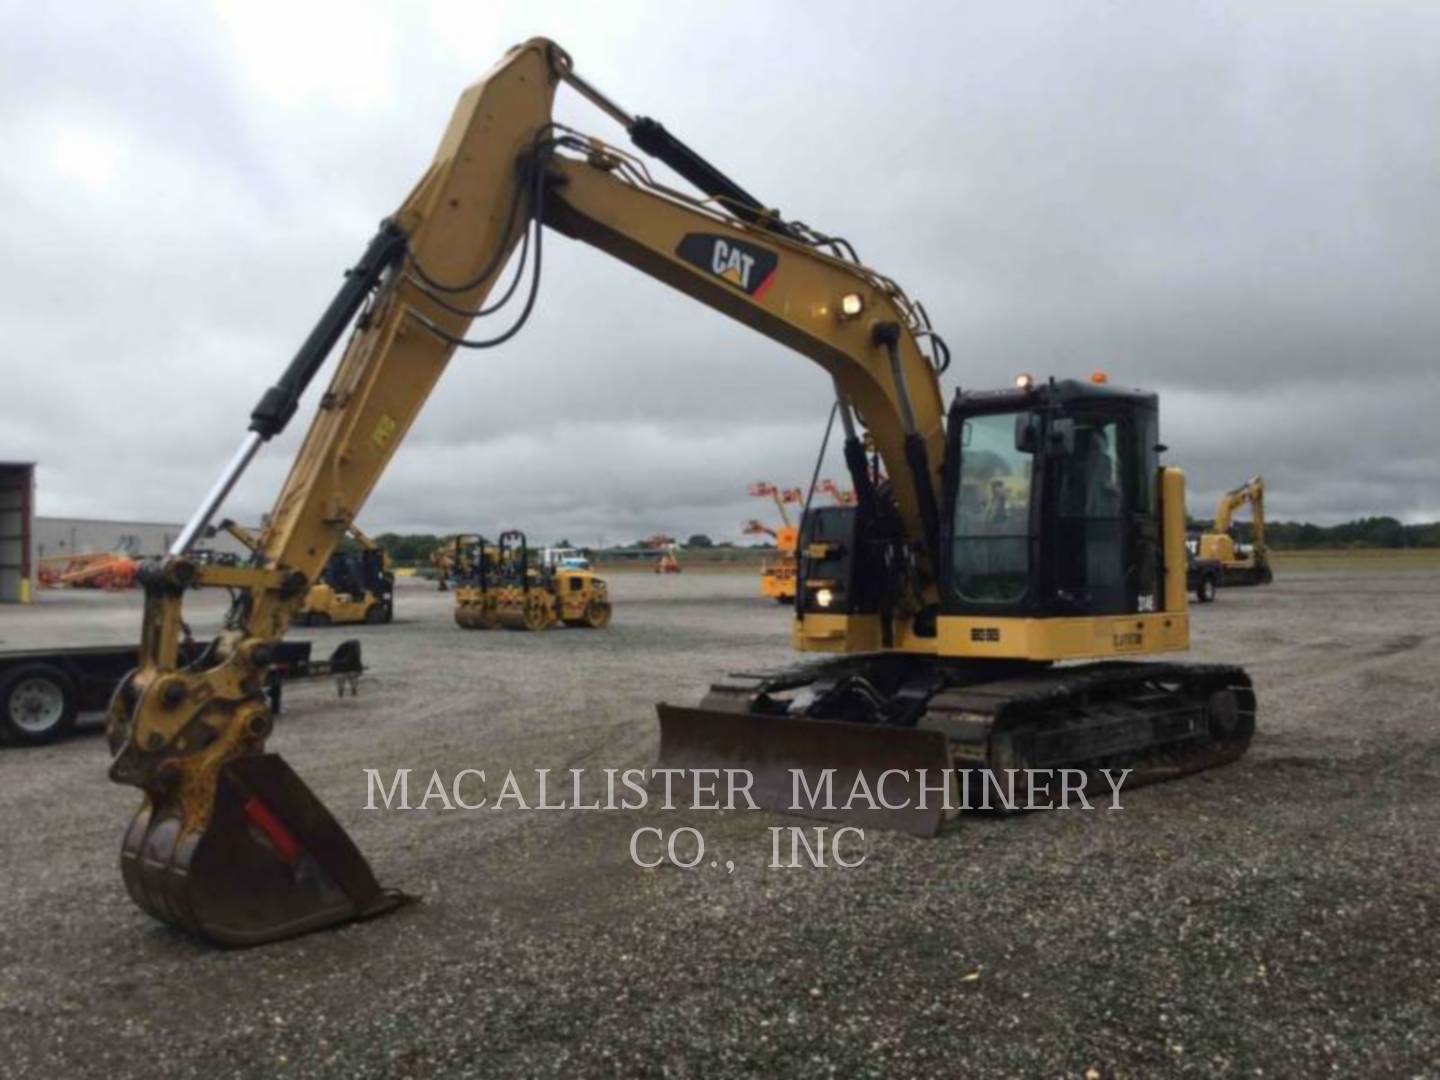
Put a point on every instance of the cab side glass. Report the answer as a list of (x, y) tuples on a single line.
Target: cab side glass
[(991, 526)]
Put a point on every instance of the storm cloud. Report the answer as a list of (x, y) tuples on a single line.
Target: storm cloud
[(1233, 205)]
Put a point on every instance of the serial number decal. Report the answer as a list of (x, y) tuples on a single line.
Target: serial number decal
[(383, 433)]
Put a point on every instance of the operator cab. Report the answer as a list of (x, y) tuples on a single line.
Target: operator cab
[(1055, 505), (1051, 508)]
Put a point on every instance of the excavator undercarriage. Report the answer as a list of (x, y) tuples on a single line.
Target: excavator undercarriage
[(933, 721)]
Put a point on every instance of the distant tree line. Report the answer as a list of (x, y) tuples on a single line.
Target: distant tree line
[(1369, 532), (408, 548), (411, 549)]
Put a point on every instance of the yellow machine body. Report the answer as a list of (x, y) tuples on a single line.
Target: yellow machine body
[(324, 606), (352, 590), (577, 598)]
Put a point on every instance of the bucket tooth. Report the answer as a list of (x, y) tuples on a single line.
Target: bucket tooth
[(271, 863)]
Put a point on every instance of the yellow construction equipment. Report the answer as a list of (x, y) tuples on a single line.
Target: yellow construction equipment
[(451, 559), (471, 562), (777, 576), (1248, 566), (442, 561), (1019, 529), (506, 588), (353, 588)]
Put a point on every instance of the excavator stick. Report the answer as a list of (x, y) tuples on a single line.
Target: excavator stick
[(271, 863), (828, 769)]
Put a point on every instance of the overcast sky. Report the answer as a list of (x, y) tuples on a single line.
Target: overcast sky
[(1234, 205)]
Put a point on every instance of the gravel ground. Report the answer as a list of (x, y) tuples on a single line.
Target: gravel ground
[(1277, 917)]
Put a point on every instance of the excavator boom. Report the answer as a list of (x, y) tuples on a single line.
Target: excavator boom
[(193, 738)]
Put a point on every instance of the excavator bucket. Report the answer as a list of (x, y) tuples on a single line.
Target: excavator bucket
[(865, 775), (272, 863)]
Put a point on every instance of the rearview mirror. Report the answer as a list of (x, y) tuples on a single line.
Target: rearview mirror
[(1027, 433)]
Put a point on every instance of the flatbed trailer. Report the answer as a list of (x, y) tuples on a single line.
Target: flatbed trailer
[(42, 691)]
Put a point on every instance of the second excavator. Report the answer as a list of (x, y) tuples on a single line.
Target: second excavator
[(1239, 566), (983, 607)]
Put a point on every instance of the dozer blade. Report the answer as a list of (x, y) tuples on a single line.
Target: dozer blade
[(773, 749), (272, 863)]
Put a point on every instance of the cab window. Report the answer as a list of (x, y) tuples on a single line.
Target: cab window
[(990, 555), (1091, 552)]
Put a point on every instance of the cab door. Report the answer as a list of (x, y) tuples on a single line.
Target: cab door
[(1144, 569), (1107, 526)]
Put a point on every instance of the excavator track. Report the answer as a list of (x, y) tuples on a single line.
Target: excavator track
[(1160, 720), (872, 715)]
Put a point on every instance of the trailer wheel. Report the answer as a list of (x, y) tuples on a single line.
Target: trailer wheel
[(1205, 591), (37, 704)]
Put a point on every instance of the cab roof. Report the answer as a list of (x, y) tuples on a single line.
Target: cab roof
[(1055, 392)]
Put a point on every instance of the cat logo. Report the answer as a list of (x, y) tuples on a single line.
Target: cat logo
[(985, 633), (748, 268), (1128, 639)]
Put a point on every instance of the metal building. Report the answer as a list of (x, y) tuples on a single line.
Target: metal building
[(142, 539), (17, 515)]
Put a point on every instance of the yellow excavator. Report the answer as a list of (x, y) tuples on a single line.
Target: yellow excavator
[(1017, 533), (1240, 567), (504, 587)]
